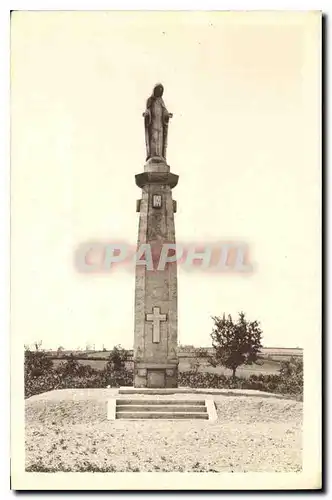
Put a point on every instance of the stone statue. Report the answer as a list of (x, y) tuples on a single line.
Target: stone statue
[(156, 118)]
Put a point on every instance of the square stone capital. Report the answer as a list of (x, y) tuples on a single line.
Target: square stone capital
[(156, 178), (142, 372)]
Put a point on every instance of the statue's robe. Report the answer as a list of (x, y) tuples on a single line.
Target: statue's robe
[(156, 126)]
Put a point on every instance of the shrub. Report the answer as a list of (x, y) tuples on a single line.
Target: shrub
[(72, 367), (115, 372), (291, 375), (41, 376), (36, 363), (38, 374), (43, 383), (267, 383), (118, 379), (117, 359)]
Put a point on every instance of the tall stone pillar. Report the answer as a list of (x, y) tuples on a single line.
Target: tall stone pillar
[(155, 344)]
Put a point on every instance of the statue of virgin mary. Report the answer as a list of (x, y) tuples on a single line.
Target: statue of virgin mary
[(156, 118)]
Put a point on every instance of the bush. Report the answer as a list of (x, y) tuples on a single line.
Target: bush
[(291, 375), (44, 383), (117, 359), (73, 368), (41, 376), (278, 384), (115, 372), (36, 363), (38, 373)]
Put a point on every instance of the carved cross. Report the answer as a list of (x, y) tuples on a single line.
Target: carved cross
[(156, 317)]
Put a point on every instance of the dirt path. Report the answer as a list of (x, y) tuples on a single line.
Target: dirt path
[(68, 431)]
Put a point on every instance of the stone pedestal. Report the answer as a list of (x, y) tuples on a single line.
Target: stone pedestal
[(155, 343)]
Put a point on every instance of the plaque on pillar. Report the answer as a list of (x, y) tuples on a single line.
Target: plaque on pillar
[(156, 201)]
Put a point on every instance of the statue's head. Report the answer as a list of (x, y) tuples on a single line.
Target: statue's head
[(158, 90)]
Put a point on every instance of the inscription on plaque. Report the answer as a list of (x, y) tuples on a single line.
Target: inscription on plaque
[(156, 201)]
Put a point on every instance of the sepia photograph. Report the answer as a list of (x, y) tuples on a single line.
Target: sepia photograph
[(165, 249)]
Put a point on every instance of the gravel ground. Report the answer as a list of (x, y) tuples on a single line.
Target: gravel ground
[(67, 430)]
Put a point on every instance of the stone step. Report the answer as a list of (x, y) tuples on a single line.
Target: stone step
[(164, 408), (150, 391), (160, 415), (185, 402)]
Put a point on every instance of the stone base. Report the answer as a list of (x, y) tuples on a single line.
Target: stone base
[(154, 375)]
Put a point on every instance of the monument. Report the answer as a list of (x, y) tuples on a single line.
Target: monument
[(155, 343)]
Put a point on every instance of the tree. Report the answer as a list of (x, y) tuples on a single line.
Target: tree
[(235, 344), (60, 350), (196, 360), (36, 363), (117, 359), (115, 369), (37, 344)]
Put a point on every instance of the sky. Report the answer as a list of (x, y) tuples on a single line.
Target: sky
[(244, 90)]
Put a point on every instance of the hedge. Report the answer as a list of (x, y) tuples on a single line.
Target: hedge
[(290, 385)]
